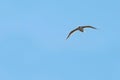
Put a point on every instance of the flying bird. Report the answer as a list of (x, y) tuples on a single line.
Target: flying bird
[(80, 28)]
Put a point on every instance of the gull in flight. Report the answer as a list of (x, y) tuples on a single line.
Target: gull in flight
[(80, 28)]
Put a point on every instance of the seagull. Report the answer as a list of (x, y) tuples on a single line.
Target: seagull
[(80, 28)]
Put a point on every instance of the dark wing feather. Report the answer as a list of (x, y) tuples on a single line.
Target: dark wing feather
[(71, 32), (88, 27)]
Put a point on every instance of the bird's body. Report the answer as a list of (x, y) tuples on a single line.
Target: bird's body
[(80, 28)]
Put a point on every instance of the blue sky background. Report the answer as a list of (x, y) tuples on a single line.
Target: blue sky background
[(33, 45)]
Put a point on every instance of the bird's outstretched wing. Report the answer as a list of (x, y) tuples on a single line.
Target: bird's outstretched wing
[(88, 27), (71, 32)]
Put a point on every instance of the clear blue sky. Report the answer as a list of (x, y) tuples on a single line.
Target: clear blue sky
[(33, 45)]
